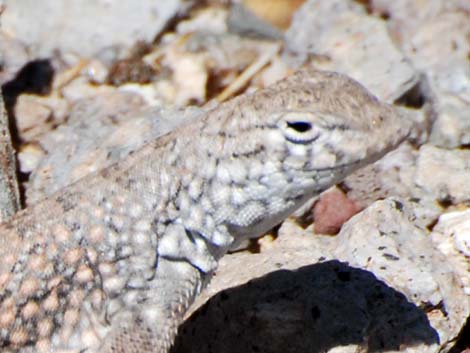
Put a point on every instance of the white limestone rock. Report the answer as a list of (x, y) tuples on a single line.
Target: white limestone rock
[(391, 290), (383, 240), (13, 56), (351, 42), (443, 173), (452, 126), (87, 27), (451, 236), (438, 44)]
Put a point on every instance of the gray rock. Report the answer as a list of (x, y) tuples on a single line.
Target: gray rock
[(316, 308), (452, 127), (245, 23), (436, 40), (13, 56), (451, 236), (383, 240), (439, 48), (86, 27), (443, 174), (31, 116), (392, 176), (351, 42), (399, 13), (391, 290)]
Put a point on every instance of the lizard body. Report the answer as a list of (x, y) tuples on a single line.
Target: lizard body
[(111, 263)]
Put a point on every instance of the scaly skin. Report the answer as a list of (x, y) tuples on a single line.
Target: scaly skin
[(111, 263)]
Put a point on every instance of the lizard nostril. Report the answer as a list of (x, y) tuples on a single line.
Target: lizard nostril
[(300, 126)]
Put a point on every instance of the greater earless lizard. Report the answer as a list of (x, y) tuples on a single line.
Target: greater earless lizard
[(111, 263)]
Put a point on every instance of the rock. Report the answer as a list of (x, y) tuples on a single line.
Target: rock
[(31, 116), (414, 301), (451, 236), (245, 22), (190, 75), (207, 62), (440, 47), (37, 115), (276, 12), (81, 88), (391, 176), (332, 210), (96, 71), (383, 240), (13, 56), (395, 175), (86, 27), (439, 29), (29, 157), (225, 52), (209, 20), (443, 174), (452, 128), (351, 42), (324, 307), (399, 13)]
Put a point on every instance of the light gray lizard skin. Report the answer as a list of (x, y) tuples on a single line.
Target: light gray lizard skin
[(111, 263)]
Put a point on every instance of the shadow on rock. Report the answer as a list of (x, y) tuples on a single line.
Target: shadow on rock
[(33, 78), (312, 309)]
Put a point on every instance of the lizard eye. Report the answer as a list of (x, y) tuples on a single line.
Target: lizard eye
[(300, 131), (299, 126)]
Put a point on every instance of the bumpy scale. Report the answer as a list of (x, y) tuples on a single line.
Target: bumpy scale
[(111, 263)]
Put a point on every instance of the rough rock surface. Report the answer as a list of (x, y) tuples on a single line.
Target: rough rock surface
[(351, 42), (437, 41), (391, 289), (451, 236), (384, 240), (86, 27), (13, 56), (452, 128), (440, 163)]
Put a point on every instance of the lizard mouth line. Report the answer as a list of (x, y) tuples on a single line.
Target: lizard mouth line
[(340, 166)]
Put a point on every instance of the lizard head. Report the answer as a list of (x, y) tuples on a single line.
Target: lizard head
[(325, 126), (257, 158), (296, 139)]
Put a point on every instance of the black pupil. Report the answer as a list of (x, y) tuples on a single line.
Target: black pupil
[(299, 126)]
